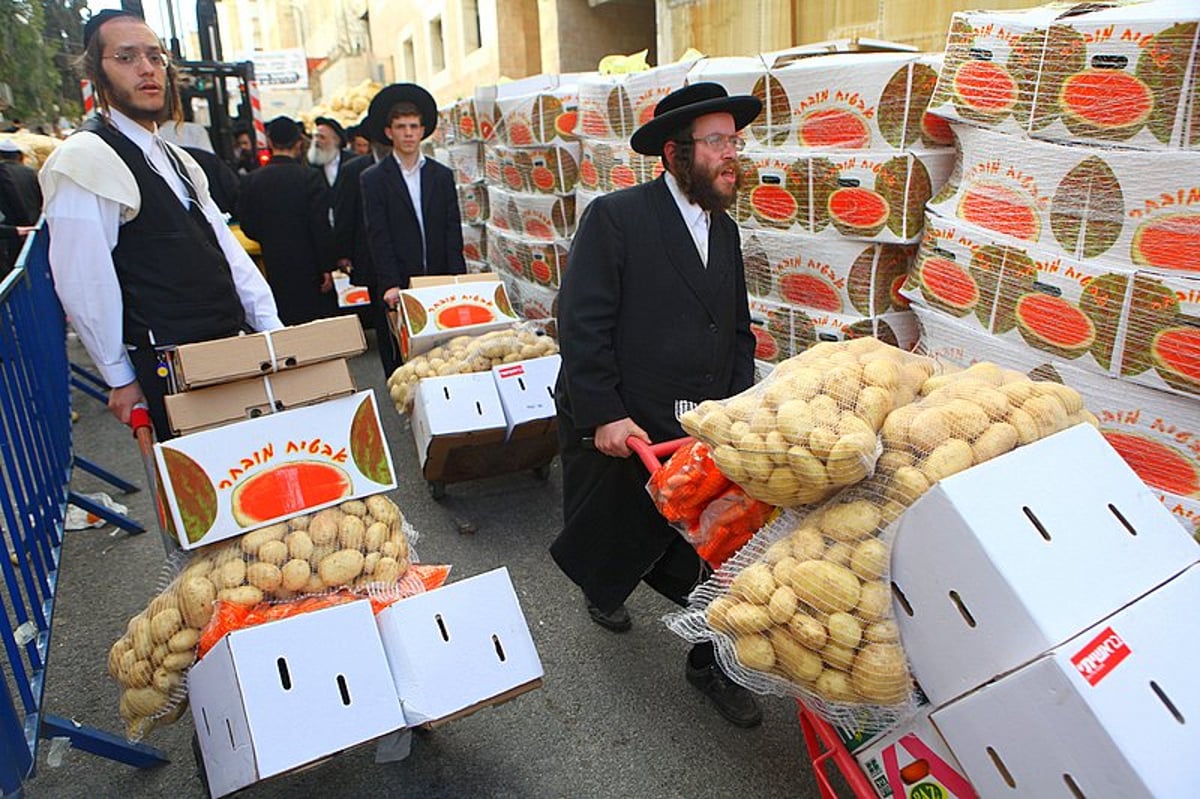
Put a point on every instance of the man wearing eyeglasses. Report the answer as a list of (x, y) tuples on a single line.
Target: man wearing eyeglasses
[(652, 310), (140, 254)]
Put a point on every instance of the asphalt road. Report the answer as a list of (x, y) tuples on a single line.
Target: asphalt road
[(615, 717)]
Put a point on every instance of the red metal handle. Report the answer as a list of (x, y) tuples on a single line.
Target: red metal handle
[(652, 455), (139, 417)]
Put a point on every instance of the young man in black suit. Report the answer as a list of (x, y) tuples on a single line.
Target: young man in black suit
[(652, 310)]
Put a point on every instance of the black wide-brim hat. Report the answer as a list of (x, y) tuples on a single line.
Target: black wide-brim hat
[(333, 123), (681, 106), (382, 103), (284, 131)]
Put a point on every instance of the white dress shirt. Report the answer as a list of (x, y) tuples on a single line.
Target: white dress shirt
[(412, 178), (695, 217), (84, 276), (331, 169)]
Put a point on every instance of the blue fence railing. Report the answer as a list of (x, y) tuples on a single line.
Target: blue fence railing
[(35, 470)]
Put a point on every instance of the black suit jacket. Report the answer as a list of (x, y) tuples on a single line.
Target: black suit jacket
[(349, 222), (393, 234), (223, 183)]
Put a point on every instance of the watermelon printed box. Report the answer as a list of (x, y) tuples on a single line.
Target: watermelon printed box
[(612, 107), (465, 160), (547, 169), (859, 101), (866, 195), (436, 309), (831, 275), (466, 124), (473, 203), (897, 328), (538, 216), (748, 75), (474, 242), (1122, 207), (225, 482), (531, 300), (1121, 75), (535, 260), (544, 117), (609, 166)]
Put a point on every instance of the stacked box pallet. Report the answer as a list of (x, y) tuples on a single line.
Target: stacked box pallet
[(458, 143), (836, 171), (1068, 239)]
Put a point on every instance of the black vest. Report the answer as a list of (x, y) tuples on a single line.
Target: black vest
[(176, 284)]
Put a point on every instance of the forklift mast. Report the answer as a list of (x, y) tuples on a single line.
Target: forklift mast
[(221, 86)]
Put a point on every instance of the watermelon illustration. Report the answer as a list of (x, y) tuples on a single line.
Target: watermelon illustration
[(366, 443), (1038, 87), (288, 488), (622, 176), (759, 281), (936, 131), (1176, 355), (520, 134), (414, 312), (856, 211), (1105, 104), (1157, 464), (842, 128), (772, 198), (545, 113), (589, 177), (984, 91), (771, 125), (463, 314), (1170, 242), (1000, 208), (1162, 67), (1003, 275), (876, 277), (946, 285), (873, 328), (765, 346), (904, 183), (902, 103), (620, 113), (502, 302), (810, 290), (1054, 325), (564, 124), (193, 491), (593, 124), (1151, 307), (1088, 209)]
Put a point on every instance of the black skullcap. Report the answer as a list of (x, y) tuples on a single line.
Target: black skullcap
[(284, 131), (92, 25)]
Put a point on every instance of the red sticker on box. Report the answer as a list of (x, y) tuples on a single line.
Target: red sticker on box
[(1101, 655), (512, 371)]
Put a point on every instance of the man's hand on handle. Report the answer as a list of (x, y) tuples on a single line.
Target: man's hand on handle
[(121, 400), (610, 438)]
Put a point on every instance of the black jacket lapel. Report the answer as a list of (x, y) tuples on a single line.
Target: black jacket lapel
[(401, 186), (681, 247)]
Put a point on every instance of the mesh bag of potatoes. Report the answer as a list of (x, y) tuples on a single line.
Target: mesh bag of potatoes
[(811, 427), (466, 354), (805, 608), (362, 545)]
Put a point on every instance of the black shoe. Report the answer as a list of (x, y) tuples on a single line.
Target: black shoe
[(617, 620), (737, 705)]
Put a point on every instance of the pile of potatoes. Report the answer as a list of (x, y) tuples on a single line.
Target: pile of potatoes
[(358, 543), (348, 106), (811, 427), (466, 354), (34, 146), (814, 606)]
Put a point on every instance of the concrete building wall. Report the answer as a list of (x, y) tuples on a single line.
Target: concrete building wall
[(585, 34)]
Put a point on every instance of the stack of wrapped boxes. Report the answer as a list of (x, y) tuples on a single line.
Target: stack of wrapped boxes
[(1068, 241), (458, 143)]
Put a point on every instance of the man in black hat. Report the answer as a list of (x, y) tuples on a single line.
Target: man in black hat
[(285, 208), (140, 254), (360, 143), (328, 149), (413, 222), (652, 310)]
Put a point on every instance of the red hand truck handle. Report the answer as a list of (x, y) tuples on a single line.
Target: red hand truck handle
[(139, 417), (651, 454)]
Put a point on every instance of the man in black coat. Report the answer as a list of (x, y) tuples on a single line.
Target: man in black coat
[(413, 222), (285, 208), (652, 310), (328, 152), (20, 201)]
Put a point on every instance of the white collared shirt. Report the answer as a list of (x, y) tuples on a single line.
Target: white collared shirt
[(695, 217), (412, 178), (331, 169), (86, 280)]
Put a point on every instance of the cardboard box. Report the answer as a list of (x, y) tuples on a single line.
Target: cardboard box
[(612, 107), (437, 308), (349, 295), (913, 761), (221, 483), (459, 648), (1115, 711), (609, 165), (475, 243), (537, 216), (541, 262), (547, 169), (997, 564), (526, 390), (472, 203), (466, 160), (531, 300), (544, 116), (222, 404), (454, 412), (223, 360), (272, 698)]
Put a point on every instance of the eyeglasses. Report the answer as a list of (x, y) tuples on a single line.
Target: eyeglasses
[(719, 141), (132, 57)]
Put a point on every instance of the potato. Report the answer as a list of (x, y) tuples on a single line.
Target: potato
[(388, 570), (241, 595), (782, 571), (717, 614), (754, 652), (850, 459), (757, 465), (880, 674), (794, 421), (178, 661), (895, 429), (967, 419), (323, 529), (273, 552), (807, 542), (873, 406), (929, 428), (299, 522), (843, 384), (314, 585), (159, 654), (754, 584), (998, 439), (294, 574), (950, 457), (762, 421), (874, 601), (370, 562), (729, 461), (882, 632), (825, 586), (352, 532), (353, 507), (265, 576), (808, 631), (850, 521), (165, 680), (835, 686), (341, 567), (196, 595), (115, 652), (745, 617), (825, 411), (1026, 427), (907, 484), (231, 574), (883, 373), (382, 509), (793, 660), (299, 545), (164, 624), (844, 630), (1048, 413), (138, 675), (254, 539), (374, 537), (778, 551), (839, 553), (1068, 397), (167, 599), (142, 702), (716, 427), (809, 470), (782, 605), (184, 641), (837, 656), (870, 559), (141, 636)]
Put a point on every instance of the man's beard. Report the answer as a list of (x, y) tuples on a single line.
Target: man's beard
[(319, 157), (703, 189), (123, 102)]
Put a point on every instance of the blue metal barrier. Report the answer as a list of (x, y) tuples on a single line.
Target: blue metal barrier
[(35, 470)]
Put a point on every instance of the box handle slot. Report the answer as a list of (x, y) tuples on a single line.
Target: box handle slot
[(979, 54), (963, 610), (264, 366), (902, 599), (207, 727), (290, 360), (1166, 700), (849, 183), (441, 623), (478, 408), (285, 677), (1073, 787), (521, 383), (229, 729), (1121, 518), (1003, 769), (550, 391), (499, 648), (1109, 61), (1036, 523), (343, 689)]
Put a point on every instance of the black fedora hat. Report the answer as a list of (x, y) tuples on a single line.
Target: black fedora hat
[(337, 128), (681, 106), (382, 104)]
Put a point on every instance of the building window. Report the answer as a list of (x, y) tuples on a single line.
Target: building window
[(472, 37), (437, 45), (410, 60)]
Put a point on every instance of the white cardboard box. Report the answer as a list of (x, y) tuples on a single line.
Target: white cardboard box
[(459, 648), (453, 411), (526, 390), (1114, 712), (998, 564), (899, 762), (268, 699)]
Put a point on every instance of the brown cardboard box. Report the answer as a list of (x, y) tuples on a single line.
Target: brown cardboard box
[(437, 308), (224, 360), (246, 399)]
